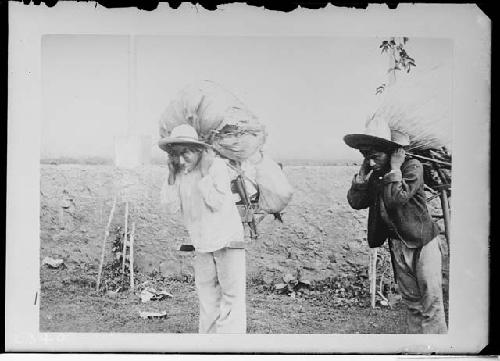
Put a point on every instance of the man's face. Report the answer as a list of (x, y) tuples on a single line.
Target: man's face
[(377, 159), (189, 155)]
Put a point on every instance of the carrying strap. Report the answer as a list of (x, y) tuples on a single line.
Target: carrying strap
[(246, 200), (241, 173)]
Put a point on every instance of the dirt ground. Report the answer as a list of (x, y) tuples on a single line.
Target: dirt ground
[(322, 240)]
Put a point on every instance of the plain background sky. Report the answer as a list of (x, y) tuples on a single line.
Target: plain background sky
[(309, 91)]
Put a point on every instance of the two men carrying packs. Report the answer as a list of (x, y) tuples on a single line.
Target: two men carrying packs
[(388, 183)]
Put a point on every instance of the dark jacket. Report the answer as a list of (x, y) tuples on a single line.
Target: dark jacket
[(398, 206)]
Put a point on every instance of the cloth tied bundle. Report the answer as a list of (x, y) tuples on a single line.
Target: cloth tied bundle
[(420, 106), (224, 122), (220, 119)]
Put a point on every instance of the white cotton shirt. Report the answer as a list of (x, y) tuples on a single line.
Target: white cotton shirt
[(207, 206)]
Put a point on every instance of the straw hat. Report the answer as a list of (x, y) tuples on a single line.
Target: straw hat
[(377, 135), (181, 134)]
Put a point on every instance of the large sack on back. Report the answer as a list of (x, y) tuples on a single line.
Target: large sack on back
[(420, 106), (275, 192), (218, 116)]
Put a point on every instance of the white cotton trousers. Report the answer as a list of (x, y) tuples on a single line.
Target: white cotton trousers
[(220, 279), (418, 273)]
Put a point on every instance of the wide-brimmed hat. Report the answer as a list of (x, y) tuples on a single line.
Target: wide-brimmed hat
[(181, 134), (377, 135)]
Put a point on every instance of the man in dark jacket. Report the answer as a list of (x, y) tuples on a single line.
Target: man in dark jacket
[(392, 187)]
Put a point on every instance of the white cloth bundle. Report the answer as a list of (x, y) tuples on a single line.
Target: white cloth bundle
[(275, 191), (218, 116), (420, 106), (234, 131)]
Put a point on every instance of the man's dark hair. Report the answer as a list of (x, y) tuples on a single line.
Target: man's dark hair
[(375, 148)]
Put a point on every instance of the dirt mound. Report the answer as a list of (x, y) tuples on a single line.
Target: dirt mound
[(321, 235)]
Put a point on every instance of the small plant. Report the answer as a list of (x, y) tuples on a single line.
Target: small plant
[(113, 278), (293, 286)]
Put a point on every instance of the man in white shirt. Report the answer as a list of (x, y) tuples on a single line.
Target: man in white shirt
[(199, 186)]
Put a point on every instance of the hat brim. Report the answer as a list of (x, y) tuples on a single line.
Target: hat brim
[(365, 141), (165, 143)]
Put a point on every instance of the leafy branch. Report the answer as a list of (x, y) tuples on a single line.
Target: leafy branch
[(402, 61)]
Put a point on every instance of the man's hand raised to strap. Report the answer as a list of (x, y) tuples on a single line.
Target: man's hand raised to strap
[(397, 159), (174, 166)]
